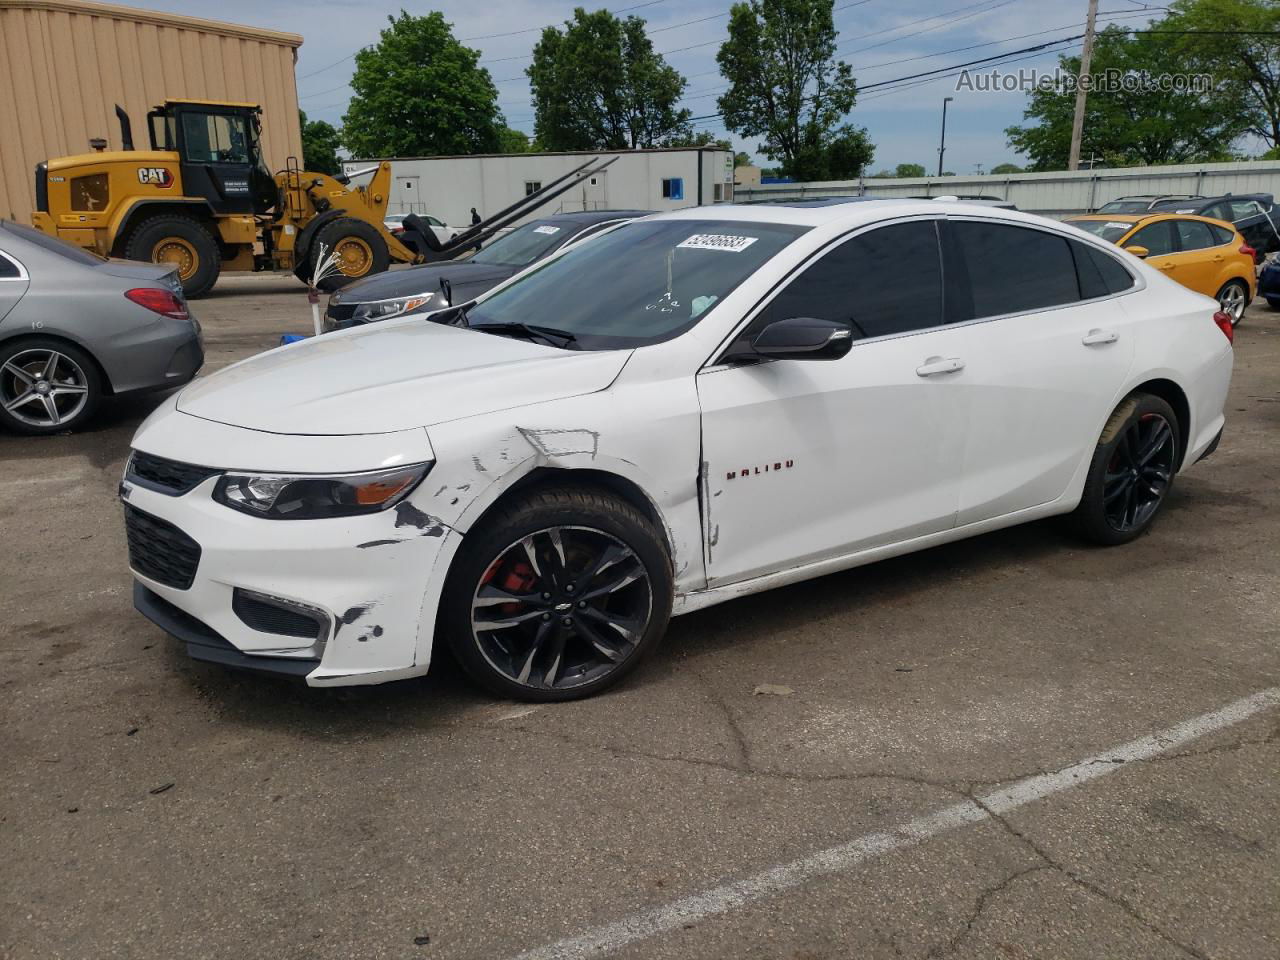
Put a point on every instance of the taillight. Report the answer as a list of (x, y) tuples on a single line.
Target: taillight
[(160, 301), (1248, 251), (1223, 320)]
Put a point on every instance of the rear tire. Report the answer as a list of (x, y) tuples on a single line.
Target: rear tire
[(1234, 299), (1132, 471), (362, 251), (180, 241), (575, 585), (1273, 303), (71, 389)]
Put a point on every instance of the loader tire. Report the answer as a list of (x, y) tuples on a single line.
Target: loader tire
[(360, 247), (182, 242)]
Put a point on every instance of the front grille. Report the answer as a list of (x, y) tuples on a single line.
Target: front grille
[(160, 551), (281, 617), (166, 476)]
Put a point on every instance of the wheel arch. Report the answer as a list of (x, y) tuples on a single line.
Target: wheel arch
[(606, 481), (1175, 397), (138, 211), (61, 337)]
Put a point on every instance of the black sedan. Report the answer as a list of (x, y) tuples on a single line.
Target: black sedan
[(1255, 215), (436, 285)]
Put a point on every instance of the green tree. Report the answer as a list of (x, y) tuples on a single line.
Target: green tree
[(1006, 168), (906, 171), (741, 159), (703, 138), (599, 84), (420, 92), (1239, 45), (786, 86), (320, 142), (1130, 126), (512, 141)]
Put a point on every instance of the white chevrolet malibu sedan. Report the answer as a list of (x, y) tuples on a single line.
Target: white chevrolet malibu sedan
[(689, 408)]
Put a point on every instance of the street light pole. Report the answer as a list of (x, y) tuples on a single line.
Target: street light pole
[(1086, 61), (942, 147)]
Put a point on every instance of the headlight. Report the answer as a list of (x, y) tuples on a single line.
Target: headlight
[(386, 309), (300, 497)]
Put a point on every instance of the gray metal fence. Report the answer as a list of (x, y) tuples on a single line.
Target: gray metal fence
[(1052, 194)]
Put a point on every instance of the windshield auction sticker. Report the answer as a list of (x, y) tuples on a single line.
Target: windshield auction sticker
[(718, 241), (546, 228)]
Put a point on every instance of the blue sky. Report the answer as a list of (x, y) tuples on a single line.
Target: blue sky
[(881, 39)]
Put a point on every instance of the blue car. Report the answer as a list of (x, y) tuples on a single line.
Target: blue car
[(1269, 284)]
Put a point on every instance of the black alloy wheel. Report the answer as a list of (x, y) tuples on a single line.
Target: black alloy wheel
[(561, 608), (1132, 471), (557, 595), (1139, 472)]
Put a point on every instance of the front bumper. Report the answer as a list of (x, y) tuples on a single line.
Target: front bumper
[(363, 578)]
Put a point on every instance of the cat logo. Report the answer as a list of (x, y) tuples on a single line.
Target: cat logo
[(159, 176)]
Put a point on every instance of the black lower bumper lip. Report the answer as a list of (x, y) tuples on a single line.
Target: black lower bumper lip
[(204, 643), (1209, 450)]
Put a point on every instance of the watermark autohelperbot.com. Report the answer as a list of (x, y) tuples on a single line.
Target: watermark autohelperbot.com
[(1031, 80)]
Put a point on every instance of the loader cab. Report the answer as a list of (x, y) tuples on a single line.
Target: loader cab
[(219, 153)]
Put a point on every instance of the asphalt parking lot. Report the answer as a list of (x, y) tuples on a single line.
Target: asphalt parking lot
[(1012, 747)]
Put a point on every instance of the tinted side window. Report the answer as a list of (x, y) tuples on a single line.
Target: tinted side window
[(1221, 235), (882, 282), (1193, 235), (1012, 269), (8, 270), (1114, 275), (1157, 238), (1243, 209), (1092, 283), (1218, 211)]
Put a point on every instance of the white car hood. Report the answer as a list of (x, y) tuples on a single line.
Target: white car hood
[(393, 376)]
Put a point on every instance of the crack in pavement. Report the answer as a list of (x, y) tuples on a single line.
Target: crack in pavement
[(985, 896), (1219, 748), (1087, 885)]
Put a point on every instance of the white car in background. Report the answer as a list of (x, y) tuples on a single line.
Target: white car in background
[(394, 222), (691, 408)]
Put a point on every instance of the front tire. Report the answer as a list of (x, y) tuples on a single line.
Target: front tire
[(361, 251), (46, 386), (1131, 473), (558, 595), (1234, 298), (183, 243)]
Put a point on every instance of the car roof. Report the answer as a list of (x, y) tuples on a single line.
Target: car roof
[(594, 216), (1143, 218), (852, 211)]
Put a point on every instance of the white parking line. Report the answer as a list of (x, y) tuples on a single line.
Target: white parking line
[(840, 858)]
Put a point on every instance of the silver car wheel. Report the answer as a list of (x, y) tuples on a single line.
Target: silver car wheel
[(43, 388), (1232, 301)]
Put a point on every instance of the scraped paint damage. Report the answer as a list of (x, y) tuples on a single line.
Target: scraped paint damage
[(407, 515)]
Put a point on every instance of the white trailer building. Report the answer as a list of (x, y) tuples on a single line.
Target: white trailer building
[(660, 179)]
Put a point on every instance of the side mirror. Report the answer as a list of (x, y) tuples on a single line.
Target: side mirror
[(1138, 251), (803, 338)]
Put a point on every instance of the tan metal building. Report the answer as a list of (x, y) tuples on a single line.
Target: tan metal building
[(65, 64)]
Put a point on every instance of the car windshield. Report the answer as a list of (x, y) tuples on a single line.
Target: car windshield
[(523, 245), (1125, 206), (1109, 230), (52, 244), (663, 275)]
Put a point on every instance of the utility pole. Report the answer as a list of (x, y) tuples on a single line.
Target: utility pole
[(1086, 61), (942, 147)]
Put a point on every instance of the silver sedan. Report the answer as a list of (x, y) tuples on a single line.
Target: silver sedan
[(75, 328)]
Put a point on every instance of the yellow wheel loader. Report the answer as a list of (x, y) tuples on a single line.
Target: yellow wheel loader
[(203, 199)]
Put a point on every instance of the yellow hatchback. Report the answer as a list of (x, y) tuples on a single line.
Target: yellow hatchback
[(1209, 256)]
